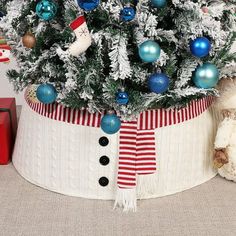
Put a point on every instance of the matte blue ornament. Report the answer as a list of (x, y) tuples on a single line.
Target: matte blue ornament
[(122, 98), (149, 51), (46, 93), (206, 76), (88, 5), (200, 47), (158, 83), (127, 13), (110, 124), (159, 3), (46, 9)]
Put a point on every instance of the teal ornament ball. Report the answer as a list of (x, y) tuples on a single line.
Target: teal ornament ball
[(158, 3), (46, 93), (110, 123), (206, 76), (46, 9), (149, 51)]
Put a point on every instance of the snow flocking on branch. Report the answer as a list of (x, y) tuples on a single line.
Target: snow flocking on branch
[(120, 65), (77, 78), (186, 71), (200, 23), (14, 10), (113, 8)]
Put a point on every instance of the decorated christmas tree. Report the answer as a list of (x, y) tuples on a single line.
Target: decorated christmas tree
[(113, 64), (122, 56)]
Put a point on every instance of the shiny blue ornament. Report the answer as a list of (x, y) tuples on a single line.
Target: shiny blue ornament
[(88, 5), (122, 98), (110, 123), (46, 93), (158, 83), (46, 9), (149, 51), (200, 47), (127, 13), (206, 76), (159, 3)]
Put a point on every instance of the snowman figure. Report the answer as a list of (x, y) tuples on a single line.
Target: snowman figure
[(4, 51)]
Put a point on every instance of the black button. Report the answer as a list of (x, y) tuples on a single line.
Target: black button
[(104, 160), (103, 141), (103, 181)]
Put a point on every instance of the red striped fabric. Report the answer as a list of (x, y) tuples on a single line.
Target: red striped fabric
[(152, 119), (137, 154), (147, 120), (137, 149), (146, 152), (127, 155), (73, 116)]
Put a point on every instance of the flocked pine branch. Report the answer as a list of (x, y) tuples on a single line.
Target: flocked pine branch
[(92, 79), (120, 65)]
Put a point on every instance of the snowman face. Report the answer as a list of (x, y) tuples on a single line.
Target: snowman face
[(4, 53)]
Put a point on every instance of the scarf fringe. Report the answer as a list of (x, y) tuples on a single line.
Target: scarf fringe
[(126, 199)]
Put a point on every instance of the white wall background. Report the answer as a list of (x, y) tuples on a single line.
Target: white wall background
[(6, 89)]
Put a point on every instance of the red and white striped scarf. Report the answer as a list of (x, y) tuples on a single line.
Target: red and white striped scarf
[(137, 149)]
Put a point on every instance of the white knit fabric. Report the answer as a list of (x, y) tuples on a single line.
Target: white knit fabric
[(64, 157)]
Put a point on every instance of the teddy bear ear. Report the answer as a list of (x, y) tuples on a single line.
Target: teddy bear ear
[(226, 83), (226, 88)]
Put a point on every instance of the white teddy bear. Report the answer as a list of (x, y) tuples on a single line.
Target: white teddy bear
[(225, 142)]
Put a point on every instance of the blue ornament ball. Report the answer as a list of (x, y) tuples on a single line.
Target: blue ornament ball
[(88, 5), (149, 51), (46, 9), (159, 3), (206, 76), (46, 93), (200, 47), (122, 98), (110, 123), (158, 83), (127, 13)]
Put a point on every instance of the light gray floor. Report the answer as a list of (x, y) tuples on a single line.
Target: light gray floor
[(25, 209)]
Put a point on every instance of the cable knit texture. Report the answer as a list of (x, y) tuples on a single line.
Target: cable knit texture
[(64, 157)]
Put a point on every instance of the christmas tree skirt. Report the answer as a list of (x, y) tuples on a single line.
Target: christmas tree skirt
[(81, 160)]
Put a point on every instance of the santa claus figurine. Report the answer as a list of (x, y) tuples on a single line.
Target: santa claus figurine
[(4, 51)]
